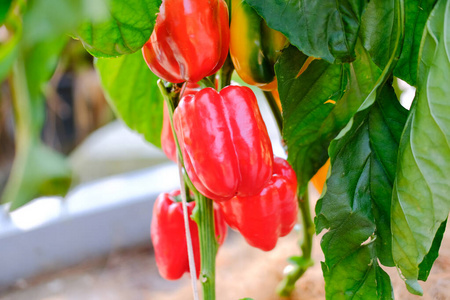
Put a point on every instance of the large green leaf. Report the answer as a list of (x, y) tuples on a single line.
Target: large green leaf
[(379, 30), (356, 206), (132, 92), (50, 18), (416, 15), (313, 111), (356, 203), (367, 280), (327, 29), (125, 30), (421, 202)]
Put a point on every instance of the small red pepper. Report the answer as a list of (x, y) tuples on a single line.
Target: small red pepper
[(190, 40), (169, 239), (167, 141), (224, 142), (262, 218)]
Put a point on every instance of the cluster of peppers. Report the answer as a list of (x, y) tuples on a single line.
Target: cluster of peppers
[(223, 140)]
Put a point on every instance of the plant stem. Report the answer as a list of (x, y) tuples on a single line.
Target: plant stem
[(192, 270), (275, 110), (204, 217), (184, 181), (206, 82), (26, 131), (300, 266), (308, 225), (225, 73)]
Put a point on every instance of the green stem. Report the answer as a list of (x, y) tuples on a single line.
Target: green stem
[(171, 107), (300, 266), (225, 73), (308, 225), (26, 132), (170, 104), (204, 216), (169, 100), (275, 109), (206, 82), (22, 105)]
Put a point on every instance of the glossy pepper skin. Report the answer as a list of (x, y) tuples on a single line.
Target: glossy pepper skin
[(190, 40), (224, 142), (254, 47), (167, 141), (272, 213), (169, 239)]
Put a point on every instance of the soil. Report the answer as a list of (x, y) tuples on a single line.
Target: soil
[(242, 271)]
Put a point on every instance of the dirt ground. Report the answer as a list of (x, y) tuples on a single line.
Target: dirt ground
[(242, 271)]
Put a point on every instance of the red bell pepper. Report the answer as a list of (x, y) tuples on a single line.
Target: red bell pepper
[(262, 218), (224, 142), (190, 40), (167, 141), (169, 239)]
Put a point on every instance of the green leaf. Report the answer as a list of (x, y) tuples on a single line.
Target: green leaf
[(4, 8), (126, 30), (367, 280), (327, 29), (37, 171), (416, 15), (428, 261), (50, 18), (356, 205), (310, 119), (421, 202), (131, 90), (306, 105), (379, 30)]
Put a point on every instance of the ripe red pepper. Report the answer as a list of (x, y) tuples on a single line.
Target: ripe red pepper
[(224, 142), (169, 239), (190, 40), (167, 141), (262, 218)]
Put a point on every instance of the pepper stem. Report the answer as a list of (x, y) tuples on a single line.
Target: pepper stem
[(206, 82), (204, 216), (225, 73), (184, 180), (300, 263), (275, 109)]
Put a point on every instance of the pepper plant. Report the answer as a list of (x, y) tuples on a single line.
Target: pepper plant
[(334, 65)]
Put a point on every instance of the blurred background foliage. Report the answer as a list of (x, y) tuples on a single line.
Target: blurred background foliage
[(51, 97)]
